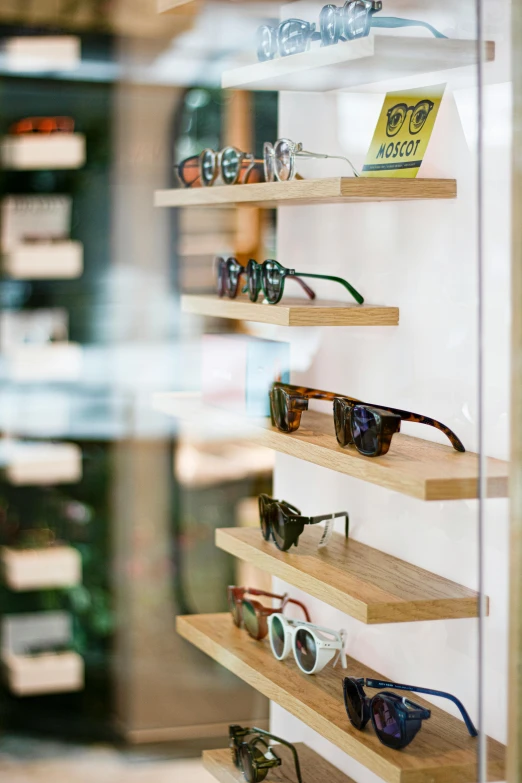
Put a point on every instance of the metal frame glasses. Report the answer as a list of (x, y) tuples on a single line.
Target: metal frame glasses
[(279, 159)]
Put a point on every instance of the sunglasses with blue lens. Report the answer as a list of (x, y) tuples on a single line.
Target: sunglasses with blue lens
[(396, 719)]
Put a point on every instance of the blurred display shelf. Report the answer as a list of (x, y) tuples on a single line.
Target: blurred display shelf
[(206, 244), (35, 53), (44, 261), (30, 463), (199, 466), (292, 312), (442, 752), (360, 62), (419, 468), (41, 569), (330, 190), (43, 151), (361, 581), (59, 362), (314, 768), (32, 675)]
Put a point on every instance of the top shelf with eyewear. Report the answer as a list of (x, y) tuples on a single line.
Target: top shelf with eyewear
[(337, 47)]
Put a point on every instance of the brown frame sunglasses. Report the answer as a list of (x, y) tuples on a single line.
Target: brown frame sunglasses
[(252, 615), (42, 125), (370, 428)]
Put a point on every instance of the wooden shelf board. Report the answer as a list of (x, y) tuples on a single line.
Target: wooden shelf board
[(442, 752), (314, 768), (413, 466), (330, 190), (292, 312), (357, 63), (361, 581)]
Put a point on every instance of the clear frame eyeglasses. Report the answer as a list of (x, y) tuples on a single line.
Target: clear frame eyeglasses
[(279, 159)]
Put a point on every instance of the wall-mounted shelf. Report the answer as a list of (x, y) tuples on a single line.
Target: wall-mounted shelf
[(34, 463), (44, 261), (59, 362), (41, 569), (355, 63), (361, 581), (330, 190), (48, 673), (413, 466), (442, 752), (314, 768), (292, 312), (43, 151)]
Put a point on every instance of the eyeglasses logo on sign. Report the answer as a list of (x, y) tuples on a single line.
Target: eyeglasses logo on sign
[(403, 132)]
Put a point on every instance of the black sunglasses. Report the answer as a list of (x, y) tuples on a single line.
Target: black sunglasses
[(254, 756), (352, 20), (396, 720), (283, 522)]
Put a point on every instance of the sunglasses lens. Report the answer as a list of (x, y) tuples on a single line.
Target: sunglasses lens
[(293, 37), (252, 272), (272, 281), (419, 116), (356, 19), (342, 424), (277, 637), (329, 23), (365, 431), (245, 763), (231, 277), (385, 720), (277, 519), (305, 649), (264, 519), (221, 273), (283, 161), (250, 620), (188, 171), (353, 703), (208, 167), (234, 609), (266, 43), (230, 165)]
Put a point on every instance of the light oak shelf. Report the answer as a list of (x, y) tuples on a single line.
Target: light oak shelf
[(442, 752), (314, 768), (361, 581), (292, 312), (413, 466), (361, 62), (330, 190)]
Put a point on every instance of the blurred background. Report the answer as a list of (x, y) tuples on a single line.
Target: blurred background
[(95, 680)]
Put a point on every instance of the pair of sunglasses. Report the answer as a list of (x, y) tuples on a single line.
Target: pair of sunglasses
[(268, 277), (396, 720), (284, 524), (370, 428), (43, 125), (252, 615), (398, 113), (231, 164), (313, 647), (254, 756), (346, 23), (279, 159)]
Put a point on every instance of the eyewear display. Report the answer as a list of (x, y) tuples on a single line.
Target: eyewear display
[(231, 164), (396, 720), (252, 754), (43, 125), (368, 427), (345, 23), (284, 524), (229, 272), (268, 277), (279, 159), (252, 615), (313, 646)]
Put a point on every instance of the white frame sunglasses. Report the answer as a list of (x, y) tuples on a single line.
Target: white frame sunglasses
[(329, 644)]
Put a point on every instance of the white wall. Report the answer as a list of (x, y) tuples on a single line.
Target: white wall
[(422, 257)]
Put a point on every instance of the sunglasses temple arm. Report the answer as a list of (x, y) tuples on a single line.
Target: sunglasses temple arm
[(287, 745), (467, 720), (418, 419), (342, 652), (356, 295), (392, 22), (324, 517), (306, 288), (306, 154), (297, 603)]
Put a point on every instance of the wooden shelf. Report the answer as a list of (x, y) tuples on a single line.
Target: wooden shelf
[(355, 63), (330, 190), (413, 466), (44, 261), (314, 768), (292, 312), (442, 752), (41, 569), (35, 151), (361, 581)]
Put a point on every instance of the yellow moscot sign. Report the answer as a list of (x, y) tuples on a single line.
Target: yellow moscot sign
[(403, 132)]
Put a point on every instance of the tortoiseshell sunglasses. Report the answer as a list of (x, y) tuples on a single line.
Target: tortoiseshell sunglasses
[(368, 427)]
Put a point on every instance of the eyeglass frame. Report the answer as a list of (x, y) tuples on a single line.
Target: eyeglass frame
[(287, 272), (296, 150), (240, 269), (218, 158)]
